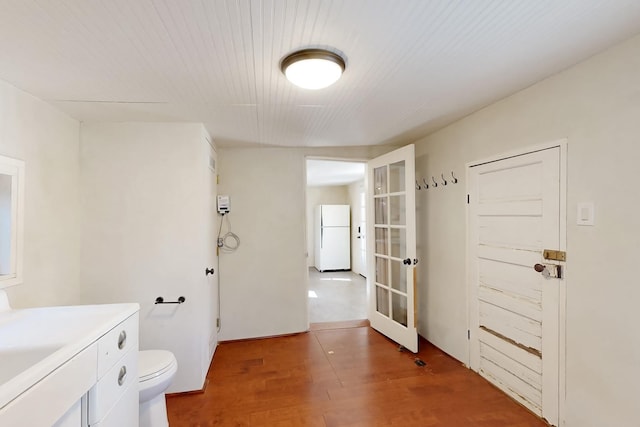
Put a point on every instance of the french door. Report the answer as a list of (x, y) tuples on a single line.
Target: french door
[(391, 246)]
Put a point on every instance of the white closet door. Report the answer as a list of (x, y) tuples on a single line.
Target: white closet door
[(514, 215)]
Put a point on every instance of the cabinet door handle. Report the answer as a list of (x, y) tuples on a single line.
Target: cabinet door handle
[(122, 376), (122, 339)]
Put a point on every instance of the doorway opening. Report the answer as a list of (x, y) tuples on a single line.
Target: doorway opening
[(336, 240)]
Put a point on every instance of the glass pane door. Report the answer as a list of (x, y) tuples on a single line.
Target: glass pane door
[(393, 249)]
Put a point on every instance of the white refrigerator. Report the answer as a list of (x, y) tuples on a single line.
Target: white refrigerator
[(332, 237)]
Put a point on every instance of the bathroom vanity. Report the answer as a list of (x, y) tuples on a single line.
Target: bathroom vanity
[(69, 366)]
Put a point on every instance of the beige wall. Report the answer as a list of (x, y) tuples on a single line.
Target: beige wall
[(596, 106), (146, 233), (47, 140), (327, 195), (264, 284)]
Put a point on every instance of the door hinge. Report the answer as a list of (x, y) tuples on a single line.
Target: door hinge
[(468, 334), (467, 199), (218, 322)]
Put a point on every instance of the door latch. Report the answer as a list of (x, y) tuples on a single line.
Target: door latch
[(552, 255), (549, 270)]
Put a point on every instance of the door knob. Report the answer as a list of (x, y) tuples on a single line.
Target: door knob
[(208, 271), (553, 271), (407, 261)]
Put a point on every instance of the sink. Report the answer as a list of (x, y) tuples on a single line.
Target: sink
[(19, 360), (36, 341)]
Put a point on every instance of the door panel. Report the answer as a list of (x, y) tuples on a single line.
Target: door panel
[(212, 281), (391, 253), (514, 214), (359, 222)]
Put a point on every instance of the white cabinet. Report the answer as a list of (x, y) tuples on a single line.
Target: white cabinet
[(117, 371), (73, 417), (78, 366), (125, 411), (116, 343), (53, 395)]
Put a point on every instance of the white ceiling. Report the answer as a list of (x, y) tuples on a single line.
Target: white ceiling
[(333, 172), (412, 65)]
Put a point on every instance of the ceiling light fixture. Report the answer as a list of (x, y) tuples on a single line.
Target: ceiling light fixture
[(313, 68)]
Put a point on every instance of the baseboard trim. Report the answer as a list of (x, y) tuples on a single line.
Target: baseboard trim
[(339, 325), (190, 392), (292, 334)]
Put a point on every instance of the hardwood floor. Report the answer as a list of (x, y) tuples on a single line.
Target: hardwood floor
[(338, 378)]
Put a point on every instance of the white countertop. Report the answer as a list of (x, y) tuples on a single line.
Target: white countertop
[(36, 341)]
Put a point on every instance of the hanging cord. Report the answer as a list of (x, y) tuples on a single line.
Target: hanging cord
[(223, 240)]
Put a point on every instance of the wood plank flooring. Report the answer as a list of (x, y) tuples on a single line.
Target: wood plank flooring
[(342, 377)]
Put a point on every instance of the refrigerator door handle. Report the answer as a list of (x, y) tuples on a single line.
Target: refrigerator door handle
[(321, 237)]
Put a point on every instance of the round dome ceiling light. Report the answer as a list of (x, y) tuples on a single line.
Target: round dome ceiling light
[(313, 68)]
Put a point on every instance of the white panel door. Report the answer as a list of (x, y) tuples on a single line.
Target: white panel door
[(360, 245), (391, 248), (514, 214), (211, 269)]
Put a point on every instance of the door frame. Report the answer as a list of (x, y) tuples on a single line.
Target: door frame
[(405, 335), (306, 228), (336, 159), (562, 144)]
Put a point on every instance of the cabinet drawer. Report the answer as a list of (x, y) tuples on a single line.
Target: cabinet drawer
[(114, 383), (125, 411), (116, 343)]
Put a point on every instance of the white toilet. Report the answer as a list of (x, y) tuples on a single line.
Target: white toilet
[(156, 369)]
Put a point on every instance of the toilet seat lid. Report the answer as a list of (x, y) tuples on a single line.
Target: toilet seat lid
[(152, 363)]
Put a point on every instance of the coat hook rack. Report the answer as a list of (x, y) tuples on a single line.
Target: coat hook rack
[(426, 184), (444, 181), (454, 180), (435, 184)]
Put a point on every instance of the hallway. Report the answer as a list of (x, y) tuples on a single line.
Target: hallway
[(336, 296), (342, 378)]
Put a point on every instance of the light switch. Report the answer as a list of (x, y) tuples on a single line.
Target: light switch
[(586, 214)]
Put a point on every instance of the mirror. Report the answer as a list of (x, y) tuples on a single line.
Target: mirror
[(11, 220)]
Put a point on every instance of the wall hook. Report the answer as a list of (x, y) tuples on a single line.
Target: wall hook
[(455, 180), (444, 181), (426, 184), (435, 184), (417, 185)]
